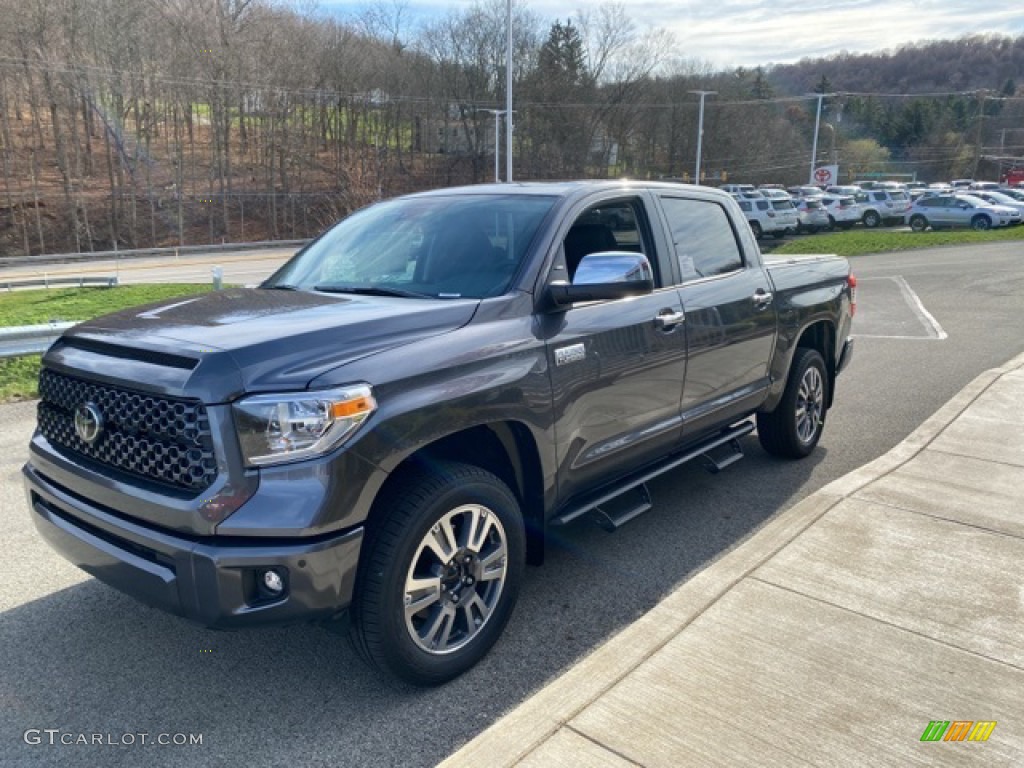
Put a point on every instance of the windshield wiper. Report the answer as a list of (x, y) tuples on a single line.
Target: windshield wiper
[(282, 287), (366, 290)]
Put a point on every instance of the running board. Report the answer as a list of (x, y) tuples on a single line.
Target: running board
[(618, 511), (596, 501), (716, 463)]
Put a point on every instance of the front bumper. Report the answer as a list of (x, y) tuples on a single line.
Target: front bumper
[(212, 581)]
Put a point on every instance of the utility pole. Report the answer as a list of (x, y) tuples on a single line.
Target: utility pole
[(814, 148), (700, 130)]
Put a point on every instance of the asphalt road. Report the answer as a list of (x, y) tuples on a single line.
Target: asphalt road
[(79, 657)]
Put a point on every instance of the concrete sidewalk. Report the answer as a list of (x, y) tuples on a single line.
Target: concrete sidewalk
[(891, 598)]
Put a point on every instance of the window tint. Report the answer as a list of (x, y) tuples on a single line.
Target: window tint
[(610, 226), (441, 246), (762, 205), (705, 244)]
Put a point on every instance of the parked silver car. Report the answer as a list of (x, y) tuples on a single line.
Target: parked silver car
[(958, 211)]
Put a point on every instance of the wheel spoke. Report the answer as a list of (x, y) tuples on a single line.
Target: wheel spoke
[(480, 524), (492, 566), (420, 593), (474, 612), (435, 636), (441, 541)]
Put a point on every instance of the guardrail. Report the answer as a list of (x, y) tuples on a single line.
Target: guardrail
[(46, 282), (21, 340), (178, 251)]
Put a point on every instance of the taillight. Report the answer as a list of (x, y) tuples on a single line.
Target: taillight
[(851, 281)]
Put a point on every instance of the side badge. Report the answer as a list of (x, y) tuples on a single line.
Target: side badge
[(574, 353)]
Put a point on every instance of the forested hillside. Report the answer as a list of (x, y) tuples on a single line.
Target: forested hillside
[(132, 123)]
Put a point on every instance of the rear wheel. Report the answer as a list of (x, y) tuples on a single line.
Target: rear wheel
[(918, 223), (755, 227), (831, 222), (981, 223), (872, 219), (794, 428), (440, 574)]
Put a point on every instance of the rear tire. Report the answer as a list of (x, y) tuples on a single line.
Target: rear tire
[(872, 219), (439, 574), (918, 223), (794, 428), (756, 229)]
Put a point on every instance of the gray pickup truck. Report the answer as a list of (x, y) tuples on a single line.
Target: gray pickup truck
[(382, 433)]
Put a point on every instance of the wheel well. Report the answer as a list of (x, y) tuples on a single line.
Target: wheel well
[(506, 450), (821, 336)]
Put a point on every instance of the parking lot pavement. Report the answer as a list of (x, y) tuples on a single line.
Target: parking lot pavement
[(877, 622)]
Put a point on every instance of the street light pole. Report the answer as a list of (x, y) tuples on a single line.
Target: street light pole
[(508, 97), (700, 131)]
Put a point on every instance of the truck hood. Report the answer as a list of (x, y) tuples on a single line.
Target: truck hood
[(220, 345)]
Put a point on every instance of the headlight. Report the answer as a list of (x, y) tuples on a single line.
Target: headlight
[(273, 429)]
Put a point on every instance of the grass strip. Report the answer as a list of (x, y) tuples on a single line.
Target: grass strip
[(861, 241), (18, 375)]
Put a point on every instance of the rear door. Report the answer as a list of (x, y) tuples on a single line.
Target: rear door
[(730, 315), (616, 367)]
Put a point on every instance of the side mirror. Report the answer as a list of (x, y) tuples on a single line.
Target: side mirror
[(604, 276)]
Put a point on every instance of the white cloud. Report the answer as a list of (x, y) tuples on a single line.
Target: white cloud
[(731, 33)]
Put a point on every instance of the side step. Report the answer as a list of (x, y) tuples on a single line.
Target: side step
[(618, 511), (625, 510), (720, 459)]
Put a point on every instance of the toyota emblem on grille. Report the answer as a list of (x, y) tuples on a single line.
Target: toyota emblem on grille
[(88, 422)]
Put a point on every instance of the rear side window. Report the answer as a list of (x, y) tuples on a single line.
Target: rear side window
[(703, 237), (762, 205)]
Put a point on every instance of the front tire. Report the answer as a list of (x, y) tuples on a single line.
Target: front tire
[(794, 428), (981, 223), (440, 573)]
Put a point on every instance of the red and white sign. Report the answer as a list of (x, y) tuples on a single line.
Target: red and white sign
[(826, 174)]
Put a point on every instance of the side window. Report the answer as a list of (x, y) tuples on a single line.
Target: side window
[(612, 226), (705, 244)]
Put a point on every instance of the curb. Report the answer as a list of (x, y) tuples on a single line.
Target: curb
[(521, 731)]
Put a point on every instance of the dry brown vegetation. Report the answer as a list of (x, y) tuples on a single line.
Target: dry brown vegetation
[(131, 123)]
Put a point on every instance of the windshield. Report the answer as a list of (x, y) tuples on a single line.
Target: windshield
[(459, 246)]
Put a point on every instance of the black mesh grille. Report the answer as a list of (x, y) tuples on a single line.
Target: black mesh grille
[(159, 438)]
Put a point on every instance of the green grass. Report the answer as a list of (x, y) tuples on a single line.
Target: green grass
[(18, 375), (857, 242)]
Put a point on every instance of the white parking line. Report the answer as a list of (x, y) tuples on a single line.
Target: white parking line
[(931, 325)]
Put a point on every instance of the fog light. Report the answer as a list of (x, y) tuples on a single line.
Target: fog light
[(273, 582)]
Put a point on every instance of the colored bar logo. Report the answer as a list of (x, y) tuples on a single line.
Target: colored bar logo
[(958, 730)]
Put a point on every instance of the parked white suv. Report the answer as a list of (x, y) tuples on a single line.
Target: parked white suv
[(843, 210), (761, 216)]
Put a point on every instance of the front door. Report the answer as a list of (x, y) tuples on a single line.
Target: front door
[(617, 367)]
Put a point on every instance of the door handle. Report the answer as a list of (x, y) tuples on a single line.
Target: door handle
[(762, 298), (668, 319)]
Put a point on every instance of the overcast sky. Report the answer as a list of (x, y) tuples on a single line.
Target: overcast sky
[(731, 33)]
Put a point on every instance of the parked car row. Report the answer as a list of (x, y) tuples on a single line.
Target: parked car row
[(776, 211)]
